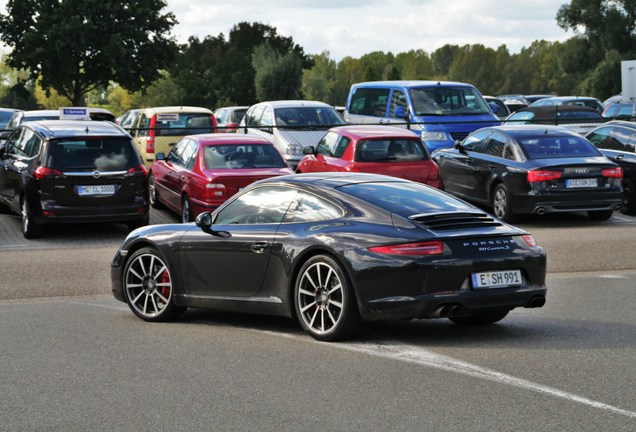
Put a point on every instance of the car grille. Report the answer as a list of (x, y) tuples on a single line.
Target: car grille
[(453, 221)]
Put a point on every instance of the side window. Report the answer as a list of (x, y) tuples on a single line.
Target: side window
[(267, 119), (13, 146), (475, 141), (495, 145), (327, 144), (266, 204), (189, 153), (398, 99), (175, 154), (253, 116), (31, 143), (631, 145), (618, 140), (341, 146), (307, 208), (142, 125), (369, 101), (599, 137), (509, 152)]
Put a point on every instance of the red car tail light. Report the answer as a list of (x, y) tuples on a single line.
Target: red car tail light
[(139, 169), (543, 175), (421, 248), (215, 129), (44, 172), (613, 172), (214, 191), (150, 141), (530, 241)]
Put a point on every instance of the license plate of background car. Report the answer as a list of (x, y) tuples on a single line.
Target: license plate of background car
[(581, 183), (96, 190), (496, 279)]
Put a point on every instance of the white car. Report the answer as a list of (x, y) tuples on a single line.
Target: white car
[(291, 125)]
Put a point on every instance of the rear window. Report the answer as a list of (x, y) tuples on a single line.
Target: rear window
[(179, 124), (557, 147), (307, 116), (242, 156), (390, 150), (95, 154), (406, 199)]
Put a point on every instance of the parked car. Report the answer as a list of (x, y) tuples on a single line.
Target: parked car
[(291, 125), (621, 111), (535, 97), (156, 130), (5, 116), (578, 119), (228, 119), (498, 107), (531, 169), (585, 101), (385, 150), (617, 141), (64, 171), (612, 99), (334, 250), (515, 105), (202, 171), (441, 112), (127, 119), (19, 117)]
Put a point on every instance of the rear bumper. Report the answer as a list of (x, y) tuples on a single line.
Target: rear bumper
[(51, 212), (561, 203)]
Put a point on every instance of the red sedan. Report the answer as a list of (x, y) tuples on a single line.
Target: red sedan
[(388, 150), (202, 171)]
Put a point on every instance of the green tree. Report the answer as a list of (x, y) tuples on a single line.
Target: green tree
[(75, 46), (278, 76), (415, 65), (319, 82)]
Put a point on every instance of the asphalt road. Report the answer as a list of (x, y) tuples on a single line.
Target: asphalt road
[(74, 359)]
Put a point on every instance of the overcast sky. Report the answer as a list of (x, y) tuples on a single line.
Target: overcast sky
[(357, 27)]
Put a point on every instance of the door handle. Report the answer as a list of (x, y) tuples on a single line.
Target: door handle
[(491, 167), (260, 246)]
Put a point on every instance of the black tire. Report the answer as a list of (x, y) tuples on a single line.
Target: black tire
[(148, 286), (30, 229), (628, 205), (324, 300), (186, 210), (600, 215), (501, 204), (152, 192), (480, 318)]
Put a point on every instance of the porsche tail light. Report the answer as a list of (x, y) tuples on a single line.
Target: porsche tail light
[(616, 172), (543, 175), (420, 248), (530, 241), (44, 172)]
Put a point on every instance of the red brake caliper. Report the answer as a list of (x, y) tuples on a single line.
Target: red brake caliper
[(165, 278)]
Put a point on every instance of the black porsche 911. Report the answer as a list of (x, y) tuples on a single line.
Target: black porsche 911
[(334, 250), (527, 169)]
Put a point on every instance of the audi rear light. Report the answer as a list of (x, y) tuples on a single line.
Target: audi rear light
[(44, 172), (616, 172), (543, 175), (419, 248)]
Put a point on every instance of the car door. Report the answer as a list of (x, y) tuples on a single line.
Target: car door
[(18, 154), (170, 182), (329, 152), (488, 163), (233, 260)]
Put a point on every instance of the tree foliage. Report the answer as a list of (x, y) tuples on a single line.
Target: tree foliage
[(75, 46), (277, 76)]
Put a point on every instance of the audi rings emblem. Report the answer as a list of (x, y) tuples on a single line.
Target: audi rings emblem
[(96, 174)]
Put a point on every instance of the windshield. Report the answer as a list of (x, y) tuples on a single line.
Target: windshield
[(447, 101), (307, 116)]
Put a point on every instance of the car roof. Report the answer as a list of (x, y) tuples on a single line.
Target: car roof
[(410, 83), (175, 109), (374, 131), (516, 130), (621, 123), (545, 109), (75, 128), (294, 103), (228, 139), (334, 179)]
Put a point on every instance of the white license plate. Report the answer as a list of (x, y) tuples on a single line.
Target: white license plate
[(497, 279), (96, 190), (581, 183)]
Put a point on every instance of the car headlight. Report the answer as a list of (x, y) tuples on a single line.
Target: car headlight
[(434, 136), (294, 150)]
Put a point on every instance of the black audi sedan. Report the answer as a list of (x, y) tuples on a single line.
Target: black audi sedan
[(617, 141), (531, 169), (59, 171), (334, 250)]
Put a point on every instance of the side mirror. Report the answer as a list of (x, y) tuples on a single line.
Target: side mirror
[(400, 112), (160, 156), (458, 145), (204, 221), (5, 134), (309, 150)]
